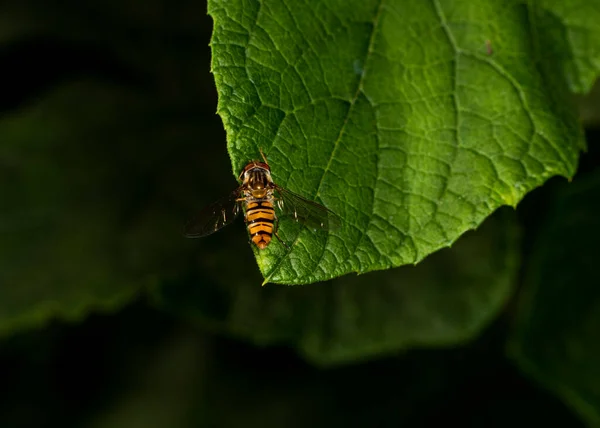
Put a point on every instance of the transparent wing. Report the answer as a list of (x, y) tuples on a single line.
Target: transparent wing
[(308, 212), (213, 217)]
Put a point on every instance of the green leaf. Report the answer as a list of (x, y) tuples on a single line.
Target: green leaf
[(445, 300), (556, 331), (411, 120), (571, 32)]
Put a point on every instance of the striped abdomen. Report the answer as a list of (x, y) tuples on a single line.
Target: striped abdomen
[(260, 217)]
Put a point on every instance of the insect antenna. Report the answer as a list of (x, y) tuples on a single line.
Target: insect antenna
[(263, 155)]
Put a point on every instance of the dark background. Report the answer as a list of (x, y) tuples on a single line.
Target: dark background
[(137, 365)]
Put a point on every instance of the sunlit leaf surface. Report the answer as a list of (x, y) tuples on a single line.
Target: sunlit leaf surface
[(413, 120)]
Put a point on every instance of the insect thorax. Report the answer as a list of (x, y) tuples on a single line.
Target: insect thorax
[(258, 183)]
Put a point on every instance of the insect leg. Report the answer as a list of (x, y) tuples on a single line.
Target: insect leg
[(279, 203), (275, 229)]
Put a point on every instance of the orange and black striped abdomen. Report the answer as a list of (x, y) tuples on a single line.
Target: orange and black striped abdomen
[(260, 217)]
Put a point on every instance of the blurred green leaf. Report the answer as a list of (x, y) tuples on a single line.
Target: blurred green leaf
[(557, 325), (412, 120), (57, 246), (589, 107), (95, 185), (445, 300)]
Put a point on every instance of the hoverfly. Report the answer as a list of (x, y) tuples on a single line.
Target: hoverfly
[(257, 197)]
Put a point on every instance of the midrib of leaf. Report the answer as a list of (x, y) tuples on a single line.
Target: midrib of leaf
[(359, 90)]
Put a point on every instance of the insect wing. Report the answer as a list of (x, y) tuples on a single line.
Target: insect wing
[(308, 212), (214, 217)]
